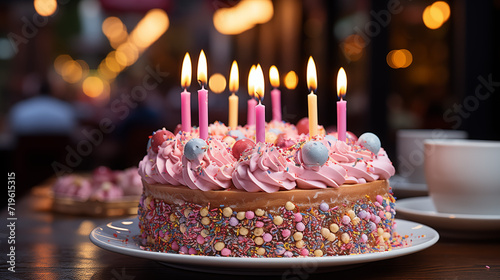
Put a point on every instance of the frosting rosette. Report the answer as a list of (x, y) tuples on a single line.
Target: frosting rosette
[(263, 168), (329, 174), (164, 167), (361, 165), (211, 169)]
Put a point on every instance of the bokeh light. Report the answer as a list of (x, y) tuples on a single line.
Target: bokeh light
[(399, 58), (291, 80), (353, 47), (243, 16), (217, 83), (45, 8), (436, 14), (150, 28), (71, 71), (93, 86)]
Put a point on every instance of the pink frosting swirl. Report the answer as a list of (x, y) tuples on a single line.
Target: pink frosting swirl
[(213, 171), (263, 168), (73, 186), (164, 167), (317, 177), (361, 165)]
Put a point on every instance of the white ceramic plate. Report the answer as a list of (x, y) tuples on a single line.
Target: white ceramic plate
[(118, 236), (422, 210)]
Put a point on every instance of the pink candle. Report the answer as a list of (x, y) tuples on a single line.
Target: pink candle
[(251, 111), (186, 95), (203, 112), (276, 104), (260, 125), (341, 105), (186, 111), (341, 119)]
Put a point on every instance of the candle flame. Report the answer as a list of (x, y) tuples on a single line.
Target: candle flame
[(251, 85), (202, 69), (186, 72), (312, 82), (233, 77), (259, 82), (274, 76), (341, 83)]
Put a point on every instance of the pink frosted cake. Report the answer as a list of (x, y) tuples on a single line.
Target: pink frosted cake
[(289, 197)]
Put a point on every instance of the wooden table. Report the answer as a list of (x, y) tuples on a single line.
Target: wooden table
[(56, 246)]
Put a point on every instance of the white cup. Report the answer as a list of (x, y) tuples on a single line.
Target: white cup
[(463, 176), (410, 150)]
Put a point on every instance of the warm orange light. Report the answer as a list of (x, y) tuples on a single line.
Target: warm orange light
[(186, 72), (443, 7), (399, 58), (93, 86), (291, 80), (312, 82), (150, 28), (259, 82), (112, 64), (126, 54), (433, 17), (242, 16), (233, 78), (274, 76), (251, 82), (217, 83), (115, 31), (341, 83), (202, 69), (45, 8), (59, 62), (353, 47), (72, 71)]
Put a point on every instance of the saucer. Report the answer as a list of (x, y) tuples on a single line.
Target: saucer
[(403, 188), (422, 210), (120, 236)]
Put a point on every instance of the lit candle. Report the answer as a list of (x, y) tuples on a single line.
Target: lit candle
[(274, 76), (341, 105), (233, 98), (203, 96), (312, 99), (251, 102), (186, 95), (260, 110)]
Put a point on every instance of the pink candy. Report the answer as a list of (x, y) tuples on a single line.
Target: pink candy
[(184, 250), (304, 252), (225, 252), (259, 224), (249, 215), (200, 239), (300, 226), (285, 233), (298, 217), (192, 251), (175, 246), (346, 220), (267, 237)]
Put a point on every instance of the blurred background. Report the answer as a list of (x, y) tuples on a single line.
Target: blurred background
[(84, 83)]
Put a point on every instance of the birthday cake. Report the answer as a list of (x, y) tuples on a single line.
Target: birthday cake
[(289, 196)]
